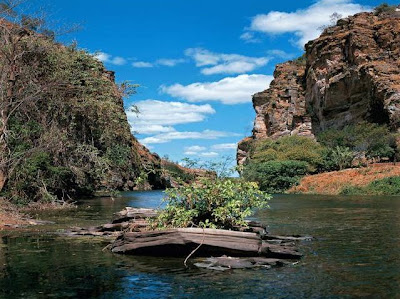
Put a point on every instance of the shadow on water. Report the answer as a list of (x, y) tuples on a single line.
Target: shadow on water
[(356, 253)]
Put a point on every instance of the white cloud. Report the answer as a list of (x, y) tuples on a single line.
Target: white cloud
[(103, 57), (248, 37), (118, 60), (304, 23), (224, 146), (219, 63), (230, 90), (170, 62), (142, 64), (167, 137), (195, 148), (162, 62), (147, 128), (107, 58), (209, 154), (189, 153), (158, 117), (200, 151)]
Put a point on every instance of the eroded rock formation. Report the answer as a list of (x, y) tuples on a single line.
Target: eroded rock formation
[(351, 73), (281, 109)]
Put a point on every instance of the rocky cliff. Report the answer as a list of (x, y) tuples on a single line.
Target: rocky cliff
[(351, 73)]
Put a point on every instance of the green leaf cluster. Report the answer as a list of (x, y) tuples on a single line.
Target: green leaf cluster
[(275, 176), (372, 140), (289, 148), (219, 203)]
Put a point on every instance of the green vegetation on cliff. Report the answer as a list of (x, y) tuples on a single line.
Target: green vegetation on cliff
[(63, 129)]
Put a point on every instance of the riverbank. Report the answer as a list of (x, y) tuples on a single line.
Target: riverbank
[(339, 182), (10, 217), (13, 217)]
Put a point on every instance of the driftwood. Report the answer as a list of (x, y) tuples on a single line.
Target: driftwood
[(181, 241), (130, 214), (247, 247), (129, 219)]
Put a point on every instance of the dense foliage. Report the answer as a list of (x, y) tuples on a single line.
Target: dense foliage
[(275, 176), (386, 186), (279, 164), (365, 139), (289, 148), (219, 203), (64, 130)]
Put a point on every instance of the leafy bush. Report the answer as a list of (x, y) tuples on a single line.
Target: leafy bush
[(41, 179), (373, 140), (386, 186), (341, 157), (289, 148), (220, 203), (275, 176)]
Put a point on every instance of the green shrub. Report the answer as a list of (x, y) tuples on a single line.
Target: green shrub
[(275, 176), (289, 148), (373, 140), (341, 156), (41, 179), (220, 203), (386, 186)]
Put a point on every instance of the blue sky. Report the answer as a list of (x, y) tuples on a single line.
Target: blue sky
[(197, 62)]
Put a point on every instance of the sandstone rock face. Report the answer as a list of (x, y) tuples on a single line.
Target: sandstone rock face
[(281, 109), (351, 74)]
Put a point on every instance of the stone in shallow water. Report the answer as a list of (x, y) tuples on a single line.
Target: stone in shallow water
[(226, 263)]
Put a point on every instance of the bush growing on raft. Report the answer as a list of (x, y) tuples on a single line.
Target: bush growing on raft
[(219, 203)]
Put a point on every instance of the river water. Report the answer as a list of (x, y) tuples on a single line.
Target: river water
[(356, 253)]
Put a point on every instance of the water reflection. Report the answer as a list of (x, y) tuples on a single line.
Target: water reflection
[(356, 253)]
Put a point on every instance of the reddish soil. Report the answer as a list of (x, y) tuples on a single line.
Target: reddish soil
[(333, 182)]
